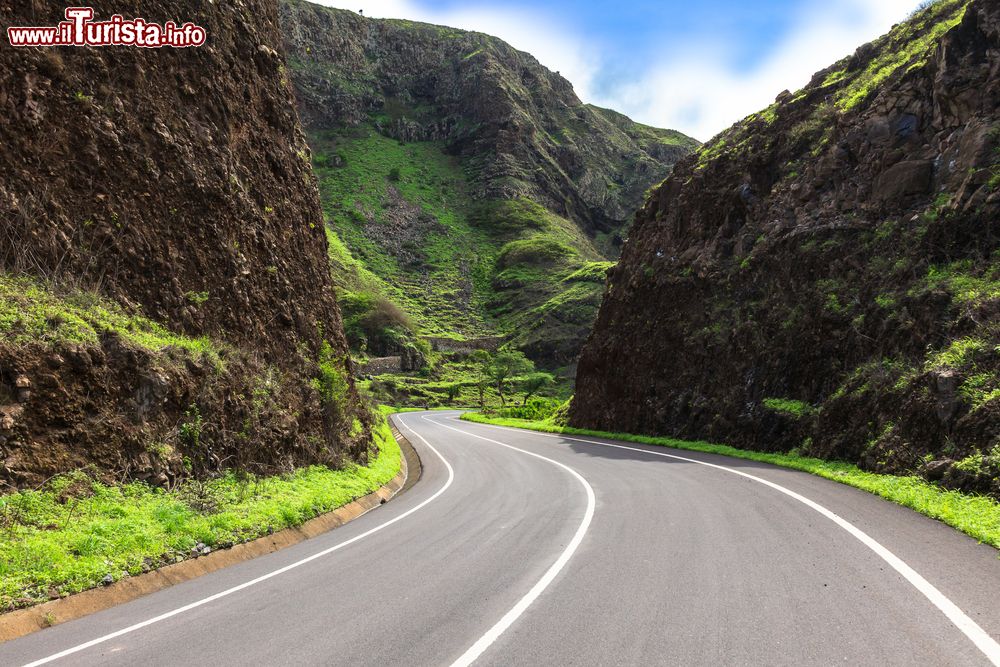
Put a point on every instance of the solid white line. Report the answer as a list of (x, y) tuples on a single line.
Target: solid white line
[(983, 641), (265, 577), (522, 605)]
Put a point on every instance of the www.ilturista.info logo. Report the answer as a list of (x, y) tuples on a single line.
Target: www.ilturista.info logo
[(79, 30)]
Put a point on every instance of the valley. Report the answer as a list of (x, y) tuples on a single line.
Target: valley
[(331, 310), (468, 193)]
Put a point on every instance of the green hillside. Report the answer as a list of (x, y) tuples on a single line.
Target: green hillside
[(469, 195)]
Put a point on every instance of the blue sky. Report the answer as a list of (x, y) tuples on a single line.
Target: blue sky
[(694, 65)]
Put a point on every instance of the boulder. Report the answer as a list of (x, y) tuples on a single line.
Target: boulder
[(904, 179)]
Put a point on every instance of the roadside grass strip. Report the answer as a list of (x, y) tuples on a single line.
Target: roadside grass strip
[(976, 516), (75, 533)]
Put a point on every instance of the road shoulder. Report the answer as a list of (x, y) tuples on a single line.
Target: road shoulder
[(26, 621)]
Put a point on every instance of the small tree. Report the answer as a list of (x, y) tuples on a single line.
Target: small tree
[(532, 383), (506, 365), (453, 391), (482, 361)]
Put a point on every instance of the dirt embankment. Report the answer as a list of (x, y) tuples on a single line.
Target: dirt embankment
[(176, 184)]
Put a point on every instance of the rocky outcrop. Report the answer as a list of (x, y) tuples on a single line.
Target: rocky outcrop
[(425, 131), (176, 183), (519, 127), (824, 275)]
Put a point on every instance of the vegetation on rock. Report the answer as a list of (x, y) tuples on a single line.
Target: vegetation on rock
[(166, 304), (822, 275)]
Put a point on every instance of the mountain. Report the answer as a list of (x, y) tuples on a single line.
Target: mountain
[(825, 275), (464, 183), (165, 298)]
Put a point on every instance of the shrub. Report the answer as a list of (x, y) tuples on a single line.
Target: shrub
[(375, 323), (331, 381), (536, 409), (535, 251), (788, 407)]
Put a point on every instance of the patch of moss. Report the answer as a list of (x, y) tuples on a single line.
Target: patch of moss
[(537, 250), (33, 312), (964, 282), (788, 407), (593, 272), (957, 354)]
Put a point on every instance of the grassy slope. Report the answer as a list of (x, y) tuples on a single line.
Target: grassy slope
[(977, 516), (73, 532), (464, 268), (427, 273), (459, 268)]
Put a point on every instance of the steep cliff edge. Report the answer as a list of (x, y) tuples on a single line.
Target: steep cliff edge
[(166, 305), (438, 148), (521, 128), (825, 274)]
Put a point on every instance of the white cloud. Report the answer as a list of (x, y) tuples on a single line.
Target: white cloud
[(697, 86), (700, 90)]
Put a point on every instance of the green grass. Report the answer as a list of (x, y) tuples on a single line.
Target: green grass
[(957, 354), (788, 407), (592, 272), (977, 516), (403, 227), (73, 532), (967, 285), (31, 312), (367, 183), (908, 45)]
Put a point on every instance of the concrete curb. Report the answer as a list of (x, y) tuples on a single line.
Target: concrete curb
[(26, 621)]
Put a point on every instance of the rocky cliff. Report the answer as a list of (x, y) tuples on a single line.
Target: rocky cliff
[(437, 147), (520, 127), (166, 301), (825, 275)]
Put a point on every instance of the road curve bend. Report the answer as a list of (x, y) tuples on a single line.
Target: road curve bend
[(525, 548)]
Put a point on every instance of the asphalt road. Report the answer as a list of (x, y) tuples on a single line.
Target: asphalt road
[(517, 548)]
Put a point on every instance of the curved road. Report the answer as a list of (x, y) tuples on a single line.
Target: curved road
[(518, 548)]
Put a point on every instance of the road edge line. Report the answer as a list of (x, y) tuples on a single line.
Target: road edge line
[(983, 641), (22, 622), (497, 629), (264, 577)]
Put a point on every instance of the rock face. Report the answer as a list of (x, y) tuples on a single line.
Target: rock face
[(520, 128), (178, 184), (824, 275), (423, 133)]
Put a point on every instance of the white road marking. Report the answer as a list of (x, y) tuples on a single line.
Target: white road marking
[(983, 641), (522, 605), (262, 578)]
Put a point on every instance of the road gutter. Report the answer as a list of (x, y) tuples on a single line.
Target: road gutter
[(23, 622)]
